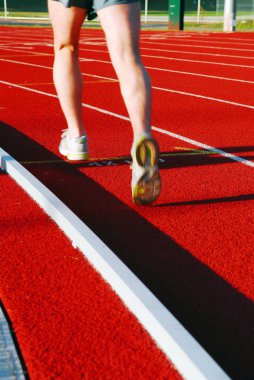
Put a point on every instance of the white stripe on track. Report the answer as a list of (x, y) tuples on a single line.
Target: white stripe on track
[(197, 61), (204, 97), (160, 130), (190, 359), (160, 88), (198, 46), (31, 53), (156, 57), (148, 67), (200, 75), (199, 53), (189, 36), (179, 59), (207, 41), (180, 52)]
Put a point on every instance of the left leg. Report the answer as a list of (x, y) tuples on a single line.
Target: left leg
[(67, 23)]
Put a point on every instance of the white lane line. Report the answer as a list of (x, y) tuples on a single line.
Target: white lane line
[(174, 71), (198, 46), (201, 75), (197, 61), (178, 59), (148, 67), (153, 56), (26, 63), (207, 41), (191, 360), (160, 88), (180, 52), (33, 53), (190, 35), (160, 130), (204, 97), (165, 35), (198, 53)]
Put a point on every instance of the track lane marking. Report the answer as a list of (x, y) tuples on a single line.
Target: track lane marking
[(108, 161), (198, 46), (189, 35), (198, 53), (204, 97), (188, 356), (160, 130), (197, 61), (164, 89), (165, 35), (180, 52), (157, 57), (192, 39), (178, 59), (148, 67)]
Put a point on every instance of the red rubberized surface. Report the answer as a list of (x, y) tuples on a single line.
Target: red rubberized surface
[(194, 247), (68, 322)]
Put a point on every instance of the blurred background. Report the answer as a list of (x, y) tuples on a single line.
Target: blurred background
[(196, 14)]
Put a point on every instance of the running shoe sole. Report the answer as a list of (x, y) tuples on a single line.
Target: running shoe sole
[(74, 156), (76, 153), (148, 187)]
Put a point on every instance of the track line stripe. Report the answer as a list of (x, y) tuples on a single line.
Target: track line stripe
[(200, 75), (199, 53), (180, 59), (157, 57), (204, 97), (197, 61), (191, 360), (160, 130), (198, 46), (148, 67)]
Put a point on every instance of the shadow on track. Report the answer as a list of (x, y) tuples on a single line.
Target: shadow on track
[(216, 314), (239, 198)]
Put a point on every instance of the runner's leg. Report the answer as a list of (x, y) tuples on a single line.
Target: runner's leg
[(66, 23), (121, 24)]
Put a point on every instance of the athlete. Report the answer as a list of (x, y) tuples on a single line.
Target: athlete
[(120, 20)]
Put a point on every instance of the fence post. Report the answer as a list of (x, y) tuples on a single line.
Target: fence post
[(229, 15), (5, 9), (176, 14), (146, 11)]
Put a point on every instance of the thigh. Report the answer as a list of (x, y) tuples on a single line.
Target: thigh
[(66, 22), (121, 24), (100, 4)]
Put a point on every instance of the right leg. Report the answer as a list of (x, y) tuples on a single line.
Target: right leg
[(121, 24), (68, 81)]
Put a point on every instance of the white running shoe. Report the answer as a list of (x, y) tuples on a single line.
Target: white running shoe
[(74, 149), (146, 180)]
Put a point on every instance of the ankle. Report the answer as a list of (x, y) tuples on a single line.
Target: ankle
[(72, 134)]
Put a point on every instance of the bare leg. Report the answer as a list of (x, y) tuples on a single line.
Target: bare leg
[(68, 81), (121, 24)]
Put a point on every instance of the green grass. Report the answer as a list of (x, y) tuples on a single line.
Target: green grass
[(25, 14), (241, 25), (13, 13)]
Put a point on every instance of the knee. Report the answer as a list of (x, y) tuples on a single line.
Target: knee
[(126, 61), (67, 46)]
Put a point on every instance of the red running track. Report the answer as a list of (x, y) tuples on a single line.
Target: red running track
[(194, 247)]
